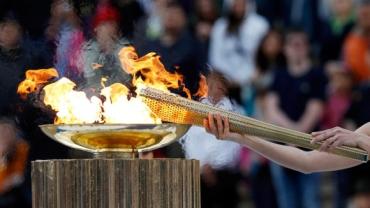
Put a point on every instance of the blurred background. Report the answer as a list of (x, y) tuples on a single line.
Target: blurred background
[(301, 64)]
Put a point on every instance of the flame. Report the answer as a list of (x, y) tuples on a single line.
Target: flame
[(119, 109), (35, 78), (72, 106), (148, 70), (115, 103), (203, 87)]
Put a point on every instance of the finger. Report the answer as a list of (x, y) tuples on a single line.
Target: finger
[(220, 126), (206, 125), (336, 144), (315, 133), (212, 125), (323, 136), (325, 146), (227, 126)]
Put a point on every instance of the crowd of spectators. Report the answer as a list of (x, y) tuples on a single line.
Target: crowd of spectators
[(300, 64)]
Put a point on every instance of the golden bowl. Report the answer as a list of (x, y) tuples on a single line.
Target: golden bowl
[(115, 138)]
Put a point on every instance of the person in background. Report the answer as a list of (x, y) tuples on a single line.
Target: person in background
[(296, 101), (206, 13), (234, 41), (271, 10), (356, 52), (361, 195), (100, 54), (14, 60), (218, 159), (65, 32), (269, 57), (130, 14), (150, 27), (13, 159), (339, 95), (301, 13), (177, 47), (335, 29), (337, 104)]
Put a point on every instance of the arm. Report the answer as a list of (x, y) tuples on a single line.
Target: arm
[(291, 157), (274, 114), (311, 116)]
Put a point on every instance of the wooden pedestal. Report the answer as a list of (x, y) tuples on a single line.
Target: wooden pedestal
[(100, 183)]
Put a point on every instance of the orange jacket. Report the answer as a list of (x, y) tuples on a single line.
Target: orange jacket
[(12, 173), (357, 56)]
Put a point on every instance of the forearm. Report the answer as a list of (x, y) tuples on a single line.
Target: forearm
[(274, 115), (287, 156), (297, 159), (277, 117), (364, 142), (291, 157), (311, 116)]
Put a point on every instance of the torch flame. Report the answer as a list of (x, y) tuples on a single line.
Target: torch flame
[(203, 87), (148, 70), (35, 78)]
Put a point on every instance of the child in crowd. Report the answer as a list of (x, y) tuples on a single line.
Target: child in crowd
[(206, 149), (217, 158), (339, 94)]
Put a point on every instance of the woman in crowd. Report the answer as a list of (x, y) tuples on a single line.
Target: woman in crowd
[(234, 41)]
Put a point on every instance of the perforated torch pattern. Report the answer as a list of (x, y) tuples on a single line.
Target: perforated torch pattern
[(173, 108)]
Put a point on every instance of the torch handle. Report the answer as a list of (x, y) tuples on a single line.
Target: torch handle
[(172, 108)]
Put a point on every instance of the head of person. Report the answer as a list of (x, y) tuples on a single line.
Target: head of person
[(363, 15), (160, 5), (361, 197), (342, 8), (106, 24), (340, 79), (236, 11), (174, 20), (218, 86), (206, 10), (296, 46), (270, 49), (10, 34), (64, 10)]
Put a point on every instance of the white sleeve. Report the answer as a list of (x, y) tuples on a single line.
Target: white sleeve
[(216, 58)]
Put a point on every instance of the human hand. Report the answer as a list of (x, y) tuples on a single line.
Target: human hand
[(220, 127), (337, 137)]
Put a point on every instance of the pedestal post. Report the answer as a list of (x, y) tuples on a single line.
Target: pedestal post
[(129, 183)]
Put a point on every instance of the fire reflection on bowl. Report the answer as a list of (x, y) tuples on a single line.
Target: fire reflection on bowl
[(115, 138)]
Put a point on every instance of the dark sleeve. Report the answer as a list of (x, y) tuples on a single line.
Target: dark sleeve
[(275, 86), (318, 84), (352, 112)]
